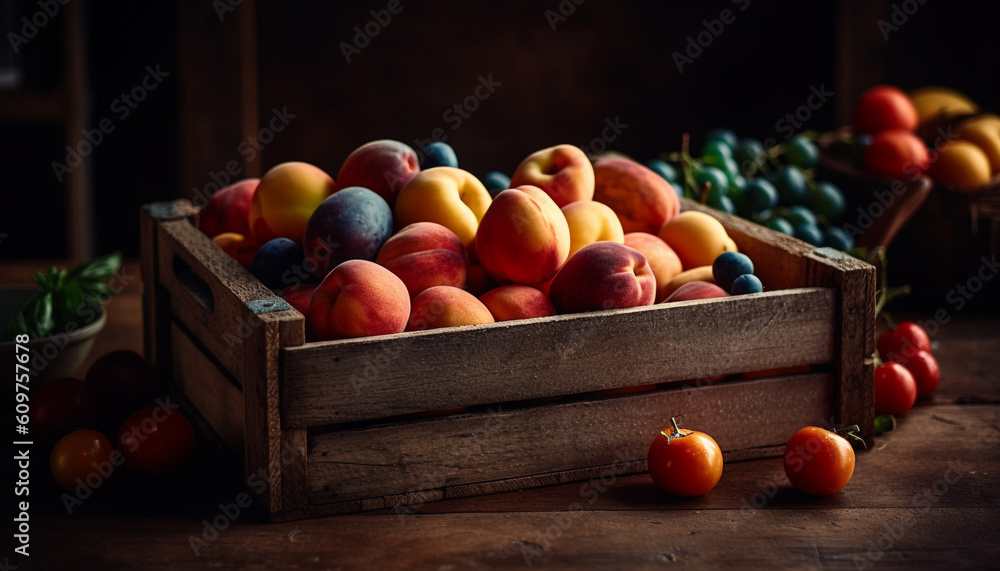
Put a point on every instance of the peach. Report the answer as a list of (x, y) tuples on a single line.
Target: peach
[(516, 301), (697, 238), (701, 273), (523, 238), (662, 259), (591, 222), (446, 306), (603, 275), (229, 209), (477, 281), (696, 290), (643, 200), (285, 199), (300, 296), (425, 254), (448, 196), (564, 172), (359, 298), (240, 247), (383, 166)]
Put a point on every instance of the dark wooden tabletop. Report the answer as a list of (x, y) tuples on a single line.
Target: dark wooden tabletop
[(926, 495)]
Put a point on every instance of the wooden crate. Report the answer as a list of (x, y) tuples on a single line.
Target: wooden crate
[(342, 426)]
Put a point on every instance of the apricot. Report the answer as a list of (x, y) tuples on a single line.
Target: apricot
[(448, 196), (643, 200), (696, 290), (423, 255), (591, 222), (563, 172), (701, 273), (284, 200), (242, 248), (696, 237), (516, 301), (662, 259), (359, 298), (446, 306)]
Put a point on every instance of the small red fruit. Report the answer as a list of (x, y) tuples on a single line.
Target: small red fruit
[(895, 389), (924, 368), (898, 154), (884, 107)]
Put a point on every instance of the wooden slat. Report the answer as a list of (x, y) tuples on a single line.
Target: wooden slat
[(326, 383), (214, 396), (490, 446)]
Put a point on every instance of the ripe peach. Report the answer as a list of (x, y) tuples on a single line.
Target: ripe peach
[(603, 275), (285, 199), (564, 172), (446, 306), (591, 222), (240, 247), (477, 281), (696, 237), (300, 296), (661, 257), (516, 301), (425, 254), (523, 238), (383, 166), (359, 298), (643, 200), (451, 197), (701, 273), (229, 209), (696, 290)]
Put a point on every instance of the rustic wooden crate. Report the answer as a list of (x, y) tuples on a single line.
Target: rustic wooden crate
[(343, 426)]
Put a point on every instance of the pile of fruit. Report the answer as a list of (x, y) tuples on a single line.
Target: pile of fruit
[(932, 130), (776, 187), (111, 418), (907, 371), (394, 245)]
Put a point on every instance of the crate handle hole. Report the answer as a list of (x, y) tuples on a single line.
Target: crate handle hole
[(193, 284)]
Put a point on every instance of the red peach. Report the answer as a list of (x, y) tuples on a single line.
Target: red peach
[(696, 290), (383, 166), (359, 298), (523, 237), (564, 172), (446, 306), (425, 254), (642, 199), (603, 275), (662, 259), (516, 301), (300, 296), (477, 281), (229, 209)]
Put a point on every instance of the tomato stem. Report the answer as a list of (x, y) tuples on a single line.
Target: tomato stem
[(850, 433), (677, 433)]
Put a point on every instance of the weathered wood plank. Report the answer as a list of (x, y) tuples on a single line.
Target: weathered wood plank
[(502, 444), (332, 382), (214, 395)]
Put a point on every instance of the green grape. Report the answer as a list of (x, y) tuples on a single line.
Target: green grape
[(713, 175), (760, 195), (791, 185), (749, 152), (664, 169), (835, 237), (809, 233), (801, 215), (801, 152), (826, 199), (779, 224), (722, 134)]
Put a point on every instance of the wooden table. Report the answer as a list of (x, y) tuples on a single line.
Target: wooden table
[(926, 495)]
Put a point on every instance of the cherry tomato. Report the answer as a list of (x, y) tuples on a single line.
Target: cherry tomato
[(62, 402), (123, 382), (818, 462), (924, 368), (83, 458), (685, 462), (156, 440), (895, 389), (903, 342)]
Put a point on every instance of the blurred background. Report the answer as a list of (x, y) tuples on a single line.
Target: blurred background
[(105, 106)]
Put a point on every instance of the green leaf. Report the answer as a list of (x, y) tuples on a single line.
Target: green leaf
[(41, 315), (99, 269)]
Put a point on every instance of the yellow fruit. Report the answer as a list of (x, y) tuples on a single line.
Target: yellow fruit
[(961, 165), (696, 237), (985, 134), (933, 102)]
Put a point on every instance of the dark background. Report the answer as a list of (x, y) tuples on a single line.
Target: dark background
[(229, 69)]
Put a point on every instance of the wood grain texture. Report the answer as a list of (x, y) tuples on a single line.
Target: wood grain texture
[(332, 382), (209, 391), (501, 444)]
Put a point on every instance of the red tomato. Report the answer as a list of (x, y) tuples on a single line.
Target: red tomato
[(155, 440), (895, 389), (84, 458), (685, 462), (903, 343), (884, 107), (123, 382), (914, 335), (818, 462), (897, 153), (924, 368), (62, 402)]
